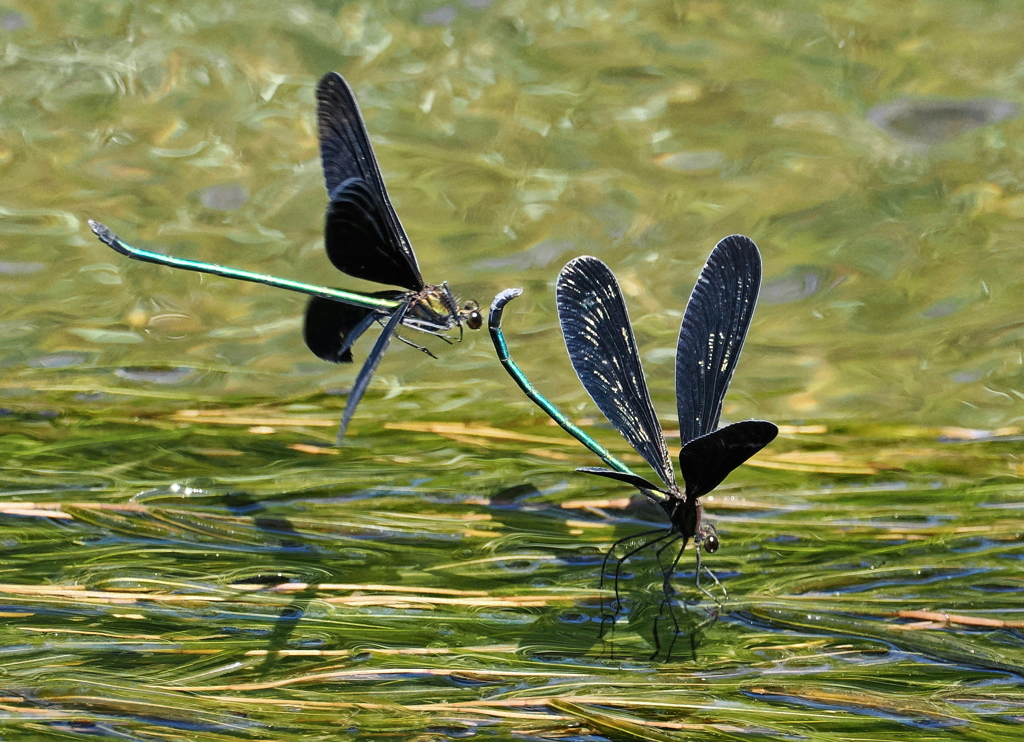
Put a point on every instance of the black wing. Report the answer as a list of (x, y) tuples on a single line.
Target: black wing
[(363, 235), (704, 462), (712, 333), (639, 482), (601, 347), (330, 328)]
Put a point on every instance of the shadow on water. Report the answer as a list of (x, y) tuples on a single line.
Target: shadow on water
[(664, 601), (282, 530), (652, 606)]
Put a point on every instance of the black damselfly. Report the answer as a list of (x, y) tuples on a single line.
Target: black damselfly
[(364, 239), (600, 342)]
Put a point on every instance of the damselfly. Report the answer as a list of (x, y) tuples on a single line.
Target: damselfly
[(364, 239), (601, 346)]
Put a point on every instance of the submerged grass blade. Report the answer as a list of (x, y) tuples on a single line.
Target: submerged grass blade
[(946, 646), (612, 726)]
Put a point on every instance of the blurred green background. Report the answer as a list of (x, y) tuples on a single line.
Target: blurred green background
[(512, 138)]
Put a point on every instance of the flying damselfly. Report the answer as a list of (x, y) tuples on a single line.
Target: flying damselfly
[(364, 239)]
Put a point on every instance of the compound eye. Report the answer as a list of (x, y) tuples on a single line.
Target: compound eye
[(474, 320), (711, 544)]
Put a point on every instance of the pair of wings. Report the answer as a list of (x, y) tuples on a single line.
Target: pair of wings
[(603, 352), (363, 235)]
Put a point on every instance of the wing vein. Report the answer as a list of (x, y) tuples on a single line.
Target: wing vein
[(712, 333), (599, 338)]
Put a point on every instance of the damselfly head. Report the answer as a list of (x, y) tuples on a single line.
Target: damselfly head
[(470, 314), (707, 538)]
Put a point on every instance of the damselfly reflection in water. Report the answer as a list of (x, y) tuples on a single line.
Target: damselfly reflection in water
[(364, 239), (599, 339)]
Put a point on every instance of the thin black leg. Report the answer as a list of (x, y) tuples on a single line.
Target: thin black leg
[(618, 566), (666, 575), (626, 556), (666, 587), (700, 566), (411, 344)]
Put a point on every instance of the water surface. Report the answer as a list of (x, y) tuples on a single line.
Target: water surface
[(186, 555)]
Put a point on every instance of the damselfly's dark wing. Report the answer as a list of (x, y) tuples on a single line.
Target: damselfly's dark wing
[(714, 327), (704, 462), (601, 347), (331, 327), (639, 482), (363, 235)]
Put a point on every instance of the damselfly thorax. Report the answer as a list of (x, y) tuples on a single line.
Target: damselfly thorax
[(435, 309), (687, 519)]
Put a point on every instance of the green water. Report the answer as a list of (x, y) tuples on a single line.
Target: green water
[(186, 557)]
